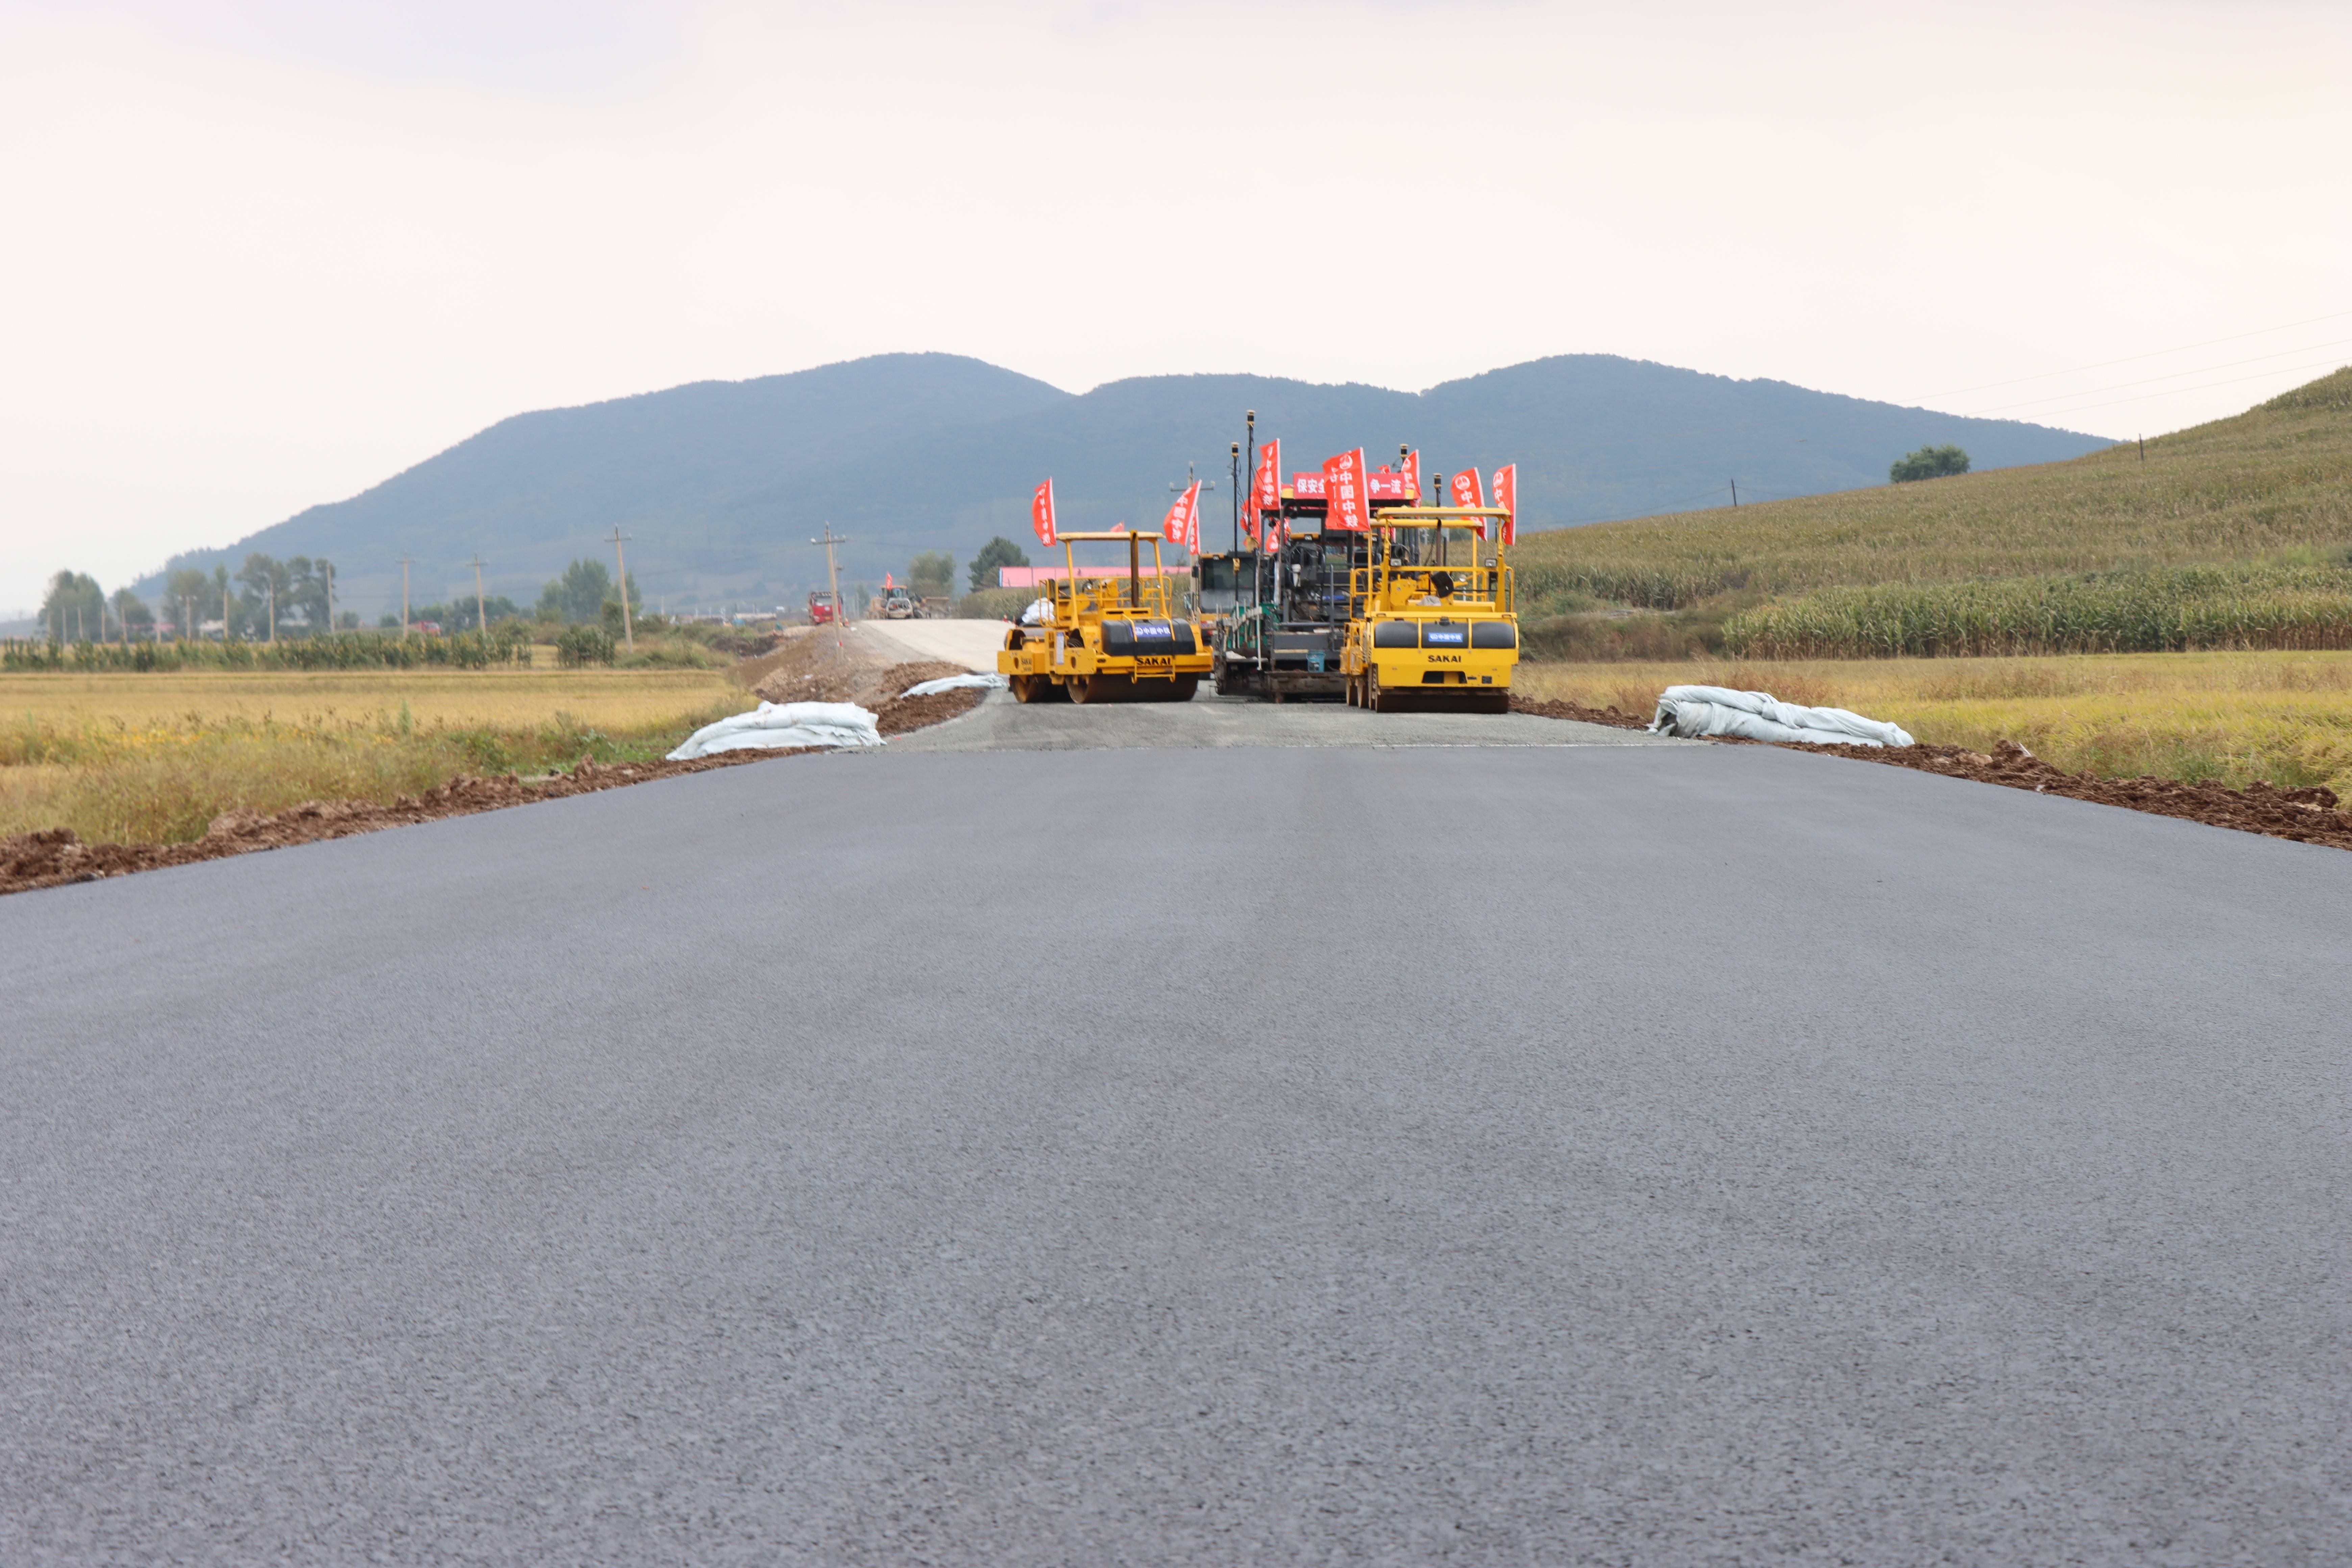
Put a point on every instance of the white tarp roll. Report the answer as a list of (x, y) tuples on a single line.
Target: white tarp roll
[(954, 683), (1697, 710), (778, 724)]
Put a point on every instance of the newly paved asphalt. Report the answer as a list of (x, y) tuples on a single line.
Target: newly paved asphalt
[(1648, 1154)]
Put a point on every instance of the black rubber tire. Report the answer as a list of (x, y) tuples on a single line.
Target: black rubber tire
[(1221, 678)]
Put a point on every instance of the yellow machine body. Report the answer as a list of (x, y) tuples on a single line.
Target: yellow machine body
[(1107, 636), (1424, 633)]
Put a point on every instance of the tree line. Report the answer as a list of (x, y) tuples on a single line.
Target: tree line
[(269, 599)]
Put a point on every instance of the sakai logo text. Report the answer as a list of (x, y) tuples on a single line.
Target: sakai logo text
[(1445, 659)]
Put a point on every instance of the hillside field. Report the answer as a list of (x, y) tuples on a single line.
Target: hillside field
[(2238, 533)]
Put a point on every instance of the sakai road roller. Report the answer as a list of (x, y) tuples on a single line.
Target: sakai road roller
[(1430, 624), (1105, 637)]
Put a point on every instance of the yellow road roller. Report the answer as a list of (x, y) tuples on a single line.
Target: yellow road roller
[(1425, 629), (1103, 636)]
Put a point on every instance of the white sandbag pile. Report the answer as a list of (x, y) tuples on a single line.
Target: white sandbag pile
[(954, 683), (781, 724), (1696, 711)]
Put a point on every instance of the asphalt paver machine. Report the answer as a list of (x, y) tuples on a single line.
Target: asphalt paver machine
[(1103, 636)]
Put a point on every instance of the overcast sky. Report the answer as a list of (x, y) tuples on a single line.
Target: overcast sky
[(263, 253)]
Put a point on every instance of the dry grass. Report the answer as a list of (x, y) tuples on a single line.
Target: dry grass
[(154, 757), (2232, 717), (2272, 484)]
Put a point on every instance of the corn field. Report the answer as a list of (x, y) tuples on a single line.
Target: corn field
[(2161, 611)]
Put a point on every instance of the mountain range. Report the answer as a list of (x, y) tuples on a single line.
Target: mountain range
[(718, 487)]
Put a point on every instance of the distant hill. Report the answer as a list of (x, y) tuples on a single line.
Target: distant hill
[(721, 484), (2273, 483)]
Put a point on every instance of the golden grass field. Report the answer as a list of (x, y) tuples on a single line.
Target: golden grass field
[(2232, 718), (154, 757)]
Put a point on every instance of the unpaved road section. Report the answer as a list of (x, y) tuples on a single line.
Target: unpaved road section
[(970, 645), (1698, 1155), (1001, 724)]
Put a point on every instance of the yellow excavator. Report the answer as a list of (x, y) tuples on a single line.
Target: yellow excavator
[(1105, 637), (1423, 631)]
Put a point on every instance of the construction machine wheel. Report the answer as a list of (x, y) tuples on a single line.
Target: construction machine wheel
[(1023, 691), (1221, 680), (1181, 689), (1102, 689), (1081, 687), (1378, 701)]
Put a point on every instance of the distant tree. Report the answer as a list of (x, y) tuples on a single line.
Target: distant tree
[(580, 594), (931, 572), (1929, 463), (459, 616), (998, 551), (268, 601), (216, 602), (184, 595), (349, 621), (74, 608), (132, 614)]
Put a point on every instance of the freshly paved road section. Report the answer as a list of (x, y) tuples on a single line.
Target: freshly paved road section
[(1625, 1154)]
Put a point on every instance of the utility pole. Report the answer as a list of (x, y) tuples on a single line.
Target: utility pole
[(403, 598), (270, 593), (833, 577), (481, 607), (327, 567), (1735, 492), (629, 629)]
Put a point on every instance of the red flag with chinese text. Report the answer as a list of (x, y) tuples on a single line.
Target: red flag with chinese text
[(1344, 498), (1265, 491), (1412, 478), (1506, 497), (1466, 493), (1183, 524), (1041, 513)]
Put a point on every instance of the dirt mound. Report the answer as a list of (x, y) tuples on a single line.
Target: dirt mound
[(2305, 815), (896, 715), (1580, 713)]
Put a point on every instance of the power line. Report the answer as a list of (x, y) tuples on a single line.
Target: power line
[(2127, 359), (2174, 392), (2174, 376)]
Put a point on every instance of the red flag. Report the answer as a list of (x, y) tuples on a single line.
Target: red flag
[(1506, 497), (1183, 524), (1466, 493), (1265, 493), (889, 582), (1344, 499), (1041, 513), (1412, 478)]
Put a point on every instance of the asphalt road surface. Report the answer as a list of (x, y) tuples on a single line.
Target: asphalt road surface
[(1607, 1153)]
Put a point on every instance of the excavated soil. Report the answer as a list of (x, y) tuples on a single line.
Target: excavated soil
[(2306, 816), (1580, 713), (57, 856)]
